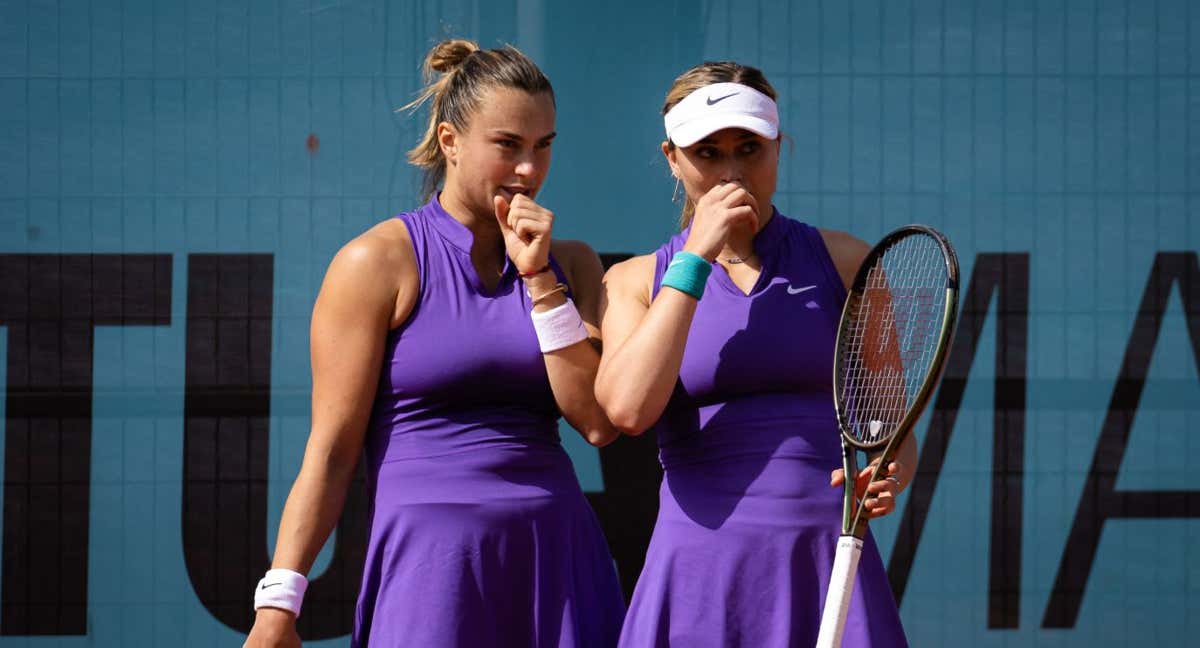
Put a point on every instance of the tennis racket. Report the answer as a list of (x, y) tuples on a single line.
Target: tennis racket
[(892, 342)]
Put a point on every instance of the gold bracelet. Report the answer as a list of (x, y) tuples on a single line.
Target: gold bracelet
[(558, 287)]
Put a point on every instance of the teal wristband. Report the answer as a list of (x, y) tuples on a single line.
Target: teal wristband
[(687, 273)]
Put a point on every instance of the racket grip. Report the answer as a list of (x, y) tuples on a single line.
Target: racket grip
[(841, 586)]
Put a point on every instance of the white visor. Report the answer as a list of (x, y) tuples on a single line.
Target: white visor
[(719, 106)]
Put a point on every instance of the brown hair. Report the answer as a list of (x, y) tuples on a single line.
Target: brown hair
[(706, 74), (456, 74)]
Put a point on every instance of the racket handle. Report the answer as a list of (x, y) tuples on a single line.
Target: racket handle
[(841, 586)]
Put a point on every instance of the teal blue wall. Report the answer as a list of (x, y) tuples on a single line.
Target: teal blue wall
[(1062, 129)]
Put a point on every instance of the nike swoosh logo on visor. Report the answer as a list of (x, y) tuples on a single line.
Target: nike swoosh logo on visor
[(710, 101)]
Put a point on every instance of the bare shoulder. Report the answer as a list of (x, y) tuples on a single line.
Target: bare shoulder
[(844, 242), (383, 249), (847, 252), (574, 256), (377, 267), (632, 277), (570, 247), (636, 269)]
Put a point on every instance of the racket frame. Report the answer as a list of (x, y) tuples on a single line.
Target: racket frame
[(853, 521)]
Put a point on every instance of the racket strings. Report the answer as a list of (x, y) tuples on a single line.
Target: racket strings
[(891, 337)]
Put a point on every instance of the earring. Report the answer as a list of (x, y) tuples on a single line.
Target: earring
[(675, 195)]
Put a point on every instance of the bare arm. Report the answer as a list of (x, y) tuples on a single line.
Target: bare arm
[(572, 370), (357, 305), (644, 345), (349, 324)]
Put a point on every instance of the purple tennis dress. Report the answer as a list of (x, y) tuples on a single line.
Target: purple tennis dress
[(479, 533), (748, 524)]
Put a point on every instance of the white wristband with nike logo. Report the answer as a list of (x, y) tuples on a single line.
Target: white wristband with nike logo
[(281, 588)]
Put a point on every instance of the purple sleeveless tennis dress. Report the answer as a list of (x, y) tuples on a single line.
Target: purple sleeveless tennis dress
[(748, 524), (479, 533)]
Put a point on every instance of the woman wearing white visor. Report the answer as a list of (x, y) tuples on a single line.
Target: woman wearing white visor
[(722, 343)]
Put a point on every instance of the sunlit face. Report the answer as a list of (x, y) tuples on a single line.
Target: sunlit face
[(505, 149), (729, 155)]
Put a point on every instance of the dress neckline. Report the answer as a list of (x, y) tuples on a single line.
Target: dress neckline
[(460, 237)]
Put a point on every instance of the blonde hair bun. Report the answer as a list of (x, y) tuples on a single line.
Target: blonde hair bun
[(449, 54)]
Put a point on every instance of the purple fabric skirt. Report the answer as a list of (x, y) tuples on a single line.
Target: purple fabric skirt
[(496, 547), (744, 544)]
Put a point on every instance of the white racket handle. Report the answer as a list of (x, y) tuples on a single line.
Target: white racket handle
[(841, 586)]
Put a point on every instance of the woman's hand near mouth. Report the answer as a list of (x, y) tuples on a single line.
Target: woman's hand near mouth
[(526, 227)]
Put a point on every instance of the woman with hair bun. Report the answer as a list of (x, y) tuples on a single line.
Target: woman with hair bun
[(446, 342)]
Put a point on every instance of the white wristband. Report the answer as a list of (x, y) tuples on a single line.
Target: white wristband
[(559, 327), (281, 588)]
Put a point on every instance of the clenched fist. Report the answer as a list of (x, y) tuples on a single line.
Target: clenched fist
[(724, 208), (526, 227)]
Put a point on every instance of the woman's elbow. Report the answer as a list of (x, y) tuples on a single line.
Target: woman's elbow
[(625, 411), (627, 420), (601, 430), (600, 437)]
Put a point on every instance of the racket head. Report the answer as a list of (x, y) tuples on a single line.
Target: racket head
[(896, 328)]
